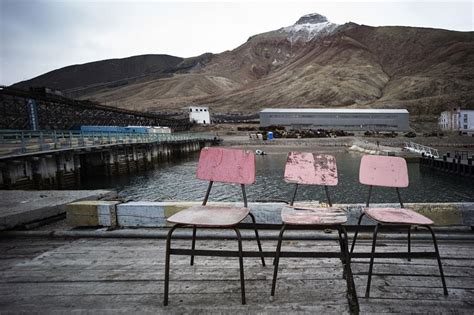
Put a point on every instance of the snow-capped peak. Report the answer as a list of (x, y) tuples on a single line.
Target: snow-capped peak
[(313, 18), (308, 27)]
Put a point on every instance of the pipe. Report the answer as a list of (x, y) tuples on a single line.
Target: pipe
[(246, 235)]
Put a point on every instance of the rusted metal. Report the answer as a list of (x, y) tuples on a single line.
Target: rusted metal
[(387, 171), (218, 165), (58, 112), (315, 169), (343, 255)]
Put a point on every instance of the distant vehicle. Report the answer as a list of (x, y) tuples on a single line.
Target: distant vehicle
[(128, 129)]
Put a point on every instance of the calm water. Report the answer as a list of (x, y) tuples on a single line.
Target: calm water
[(176, 181)]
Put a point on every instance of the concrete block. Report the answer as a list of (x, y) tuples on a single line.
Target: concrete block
[(86, 213), (154, 214), (148, 213)]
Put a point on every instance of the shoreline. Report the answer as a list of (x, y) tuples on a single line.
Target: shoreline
[(360, 144)]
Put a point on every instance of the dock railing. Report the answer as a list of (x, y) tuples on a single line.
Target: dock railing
[(421, 149), (18, 142)]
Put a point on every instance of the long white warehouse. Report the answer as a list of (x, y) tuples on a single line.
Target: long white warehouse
[(341, 119)]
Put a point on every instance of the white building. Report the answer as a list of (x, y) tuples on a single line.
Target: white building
[(457, 120), (199, 115)]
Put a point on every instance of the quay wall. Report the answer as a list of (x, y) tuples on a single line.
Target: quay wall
[(138, 214), (455, 166), (65, 169)]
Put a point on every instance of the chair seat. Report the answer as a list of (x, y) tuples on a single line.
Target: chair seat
[(397, 216), (210, 216), (313, 216)]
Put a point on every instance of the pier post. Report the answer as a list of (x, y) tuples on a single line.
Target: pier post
[(127, 159), (59, 171), (7, 181), (135, 158), (109, 162), (147, 159), (77, 169), (116, 155), (36, 173)]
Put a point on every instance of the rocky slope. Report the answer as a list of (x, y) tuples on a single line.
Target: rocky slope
[(313, 63)]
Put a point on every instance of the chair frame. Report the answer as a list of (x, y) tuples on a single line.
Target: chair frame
[(343, 255), (409, 255), (193, 252)]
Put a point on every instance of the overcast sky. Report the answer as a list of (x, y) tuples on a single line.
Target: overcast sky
[(37, 36)]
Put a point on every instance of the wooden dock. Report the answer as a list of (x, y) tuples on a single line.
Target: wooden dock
[(62, 159), (450, 165), (126, 276)]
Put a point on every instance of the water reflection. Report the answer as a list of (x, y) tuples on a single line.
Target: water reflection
[(176, 181)]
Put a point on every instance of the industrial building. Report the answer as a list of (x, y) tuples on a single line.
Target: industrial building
[(341, 119)]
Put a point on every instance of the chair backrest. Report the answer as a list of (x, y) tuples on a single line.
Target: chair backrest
[(385, 171), (226, 166), (311, 169)]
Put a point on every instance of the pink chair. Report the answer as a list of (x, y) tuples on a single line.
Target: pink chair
[(387, 171), (225, 166), (314, 169)]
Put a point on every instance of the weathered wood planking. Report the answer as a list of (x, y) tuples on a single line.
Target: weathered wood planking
[(126, 275)]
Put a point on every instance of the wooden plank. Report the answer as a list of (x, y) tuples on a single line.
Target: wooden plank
[(411, 306), (179, 304), (316, 287), (126, 275)]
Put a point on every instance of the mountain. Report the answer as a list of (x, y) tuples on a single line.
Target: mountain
[(313, 63)]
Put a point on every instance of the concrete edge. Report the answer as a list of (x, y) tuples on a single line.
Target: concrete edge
[(144, 214)]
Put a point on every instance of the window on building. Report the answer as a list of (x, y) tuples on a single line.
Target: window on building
[(190, 109), (465, 126)]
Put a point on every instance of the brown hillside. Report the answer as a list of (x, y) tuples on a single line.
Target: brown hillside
[(104, 71), (423, 70)]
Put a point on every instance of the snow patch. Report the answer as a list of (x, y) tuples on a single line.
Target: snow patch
[(308, 27)]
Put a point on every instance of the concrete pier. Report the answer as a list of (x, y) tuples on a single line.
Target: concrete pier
[(456, 166), (65, 169), (21, 207)]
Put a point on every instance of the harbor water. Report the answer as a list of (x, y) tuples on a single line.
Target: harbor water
[(177, 181)]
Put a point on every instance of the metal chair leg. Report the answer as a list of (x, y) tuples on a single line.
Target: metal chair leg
[(341, 245), (445, 289), (258, 240), (277, 258), (241, 265), (367, 291), (409, 241), (356, 232), (167, 264), (193, 246), (351, 289)]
